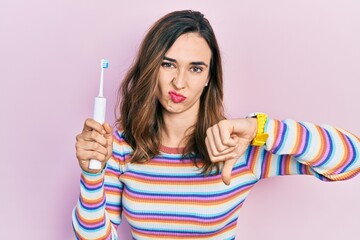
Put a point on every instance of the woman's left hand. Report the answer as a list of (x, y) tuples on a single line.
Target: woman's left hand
[(227, 140)]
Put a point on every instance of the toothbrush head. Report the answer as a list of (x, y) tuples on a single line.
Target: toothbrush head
[(104, 63)]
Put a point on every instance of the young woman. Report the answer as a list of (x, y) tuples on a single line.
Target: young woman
[(165, 166)]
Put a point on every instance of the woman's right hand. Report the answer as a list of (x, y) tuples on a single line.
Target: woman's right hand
[(94, 142)]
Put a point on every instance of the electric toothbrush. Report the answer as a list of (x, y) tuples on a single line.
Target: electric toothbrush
[(99, 109)]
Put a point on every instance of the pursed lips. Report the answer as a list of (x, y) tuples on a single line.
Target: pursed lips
[(176, 97)]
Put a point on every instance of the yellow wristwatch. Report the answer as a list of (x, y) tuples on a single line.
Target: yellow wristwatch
[(261, 136)]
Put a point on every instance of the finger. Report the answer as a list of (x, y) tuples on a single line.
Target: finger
[(208, 147), (219, 157), (226, 151), (109, 133), (108, 129), (226, 129), (91, 124), (224, 157), (227, 170), (231, 141), (209, 141), (85, 155), (84, 164), (218, 141), (211, 145), (91, 146), (94, 136)]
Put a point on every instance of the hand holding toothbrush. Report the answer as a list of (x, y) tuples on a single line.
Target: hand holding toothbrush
[(94, 142)]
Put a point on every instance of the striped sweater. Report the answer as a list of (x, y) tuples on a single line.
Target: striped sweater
[(169, 198)]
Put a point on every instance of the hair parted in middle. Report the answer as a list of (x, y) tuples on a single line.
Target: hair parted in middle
[(140, 111)]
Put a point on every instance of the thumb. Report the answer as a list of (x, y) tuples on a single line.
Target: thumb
[(227, 170), (108, 128), (232, 141), (229, 164), (109, 133)]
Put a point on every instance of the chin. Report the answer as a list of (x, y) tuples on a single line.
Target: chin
[(173, 107)]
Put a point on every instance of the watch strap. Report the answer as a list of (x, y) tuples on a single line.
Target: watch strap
[(261, 136)]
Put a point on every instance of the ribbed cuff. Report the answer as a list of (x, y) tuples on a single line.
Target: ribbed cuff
[(94, 176)]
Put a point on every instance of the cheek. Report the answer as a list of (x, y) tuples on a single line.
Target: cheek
[(200, 90), (162, 89), (200, 84), (164, 81), (163, 78)]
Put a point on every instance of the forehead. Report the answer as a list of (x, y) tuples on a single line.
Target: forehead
[(190, 47)]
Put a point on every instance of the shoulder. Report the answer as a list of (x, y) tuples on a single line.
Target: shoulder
[(120, 146)]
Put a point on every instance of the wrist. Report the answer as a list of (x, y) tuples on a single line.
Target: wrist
[(254, 126), (94, 172), (260, 136)]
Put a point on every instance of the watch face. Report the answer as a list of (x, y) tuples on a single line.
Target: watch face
[(251, 115)]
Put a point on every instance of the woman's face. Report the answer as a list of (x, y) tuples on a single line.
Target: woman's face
[(183, 74)]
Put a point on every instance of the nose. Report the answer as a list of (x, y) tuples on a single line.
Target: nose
[(179, 80)]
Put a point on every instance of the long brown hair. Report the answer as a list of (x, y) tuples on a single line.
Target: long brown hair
[(140, 111)]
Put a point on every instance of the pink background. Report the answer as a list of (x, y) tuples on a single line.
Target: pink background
[(291, 59)]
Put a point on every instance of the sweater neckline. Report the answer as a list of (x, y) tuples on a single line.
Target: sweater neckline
[(171, 150)]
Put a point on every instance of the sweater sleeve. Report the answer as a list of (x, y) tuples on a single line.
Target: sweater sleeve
[(98, 210), (326, 152)]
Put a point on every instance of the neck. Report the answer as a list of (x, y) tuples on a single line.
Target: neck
[(176, 127)]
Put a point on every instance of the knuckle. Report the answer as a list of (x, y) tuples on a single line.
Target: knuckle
[(95, 145), (100, 157), (221, 148), (207, 142), (94, 155), (208, 131), (78, 137), (93, 134), (214, 153), (222, 122), (78, 155), (214, 158), (214, 128)]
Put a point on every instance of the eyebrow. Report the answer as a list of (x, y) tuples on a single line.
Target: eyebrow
[(192, 63)]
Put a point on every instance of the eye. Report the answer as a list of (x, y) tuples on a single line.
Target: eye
[(196, 69), (167, 65)]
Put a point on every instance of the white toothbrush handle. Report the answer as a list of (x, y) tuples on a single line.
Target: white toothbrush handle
[(99, 116)]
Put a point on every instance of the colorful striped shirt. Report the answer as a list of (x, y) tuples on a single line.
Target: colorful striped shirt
[(169, 198)]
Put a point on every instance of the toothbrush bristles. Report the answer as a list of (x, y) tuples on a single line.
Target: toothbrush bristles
[(104, 63)]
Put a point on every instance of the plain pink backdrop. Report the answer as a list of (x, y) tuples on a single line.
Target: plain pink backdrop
[(291, 59)]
